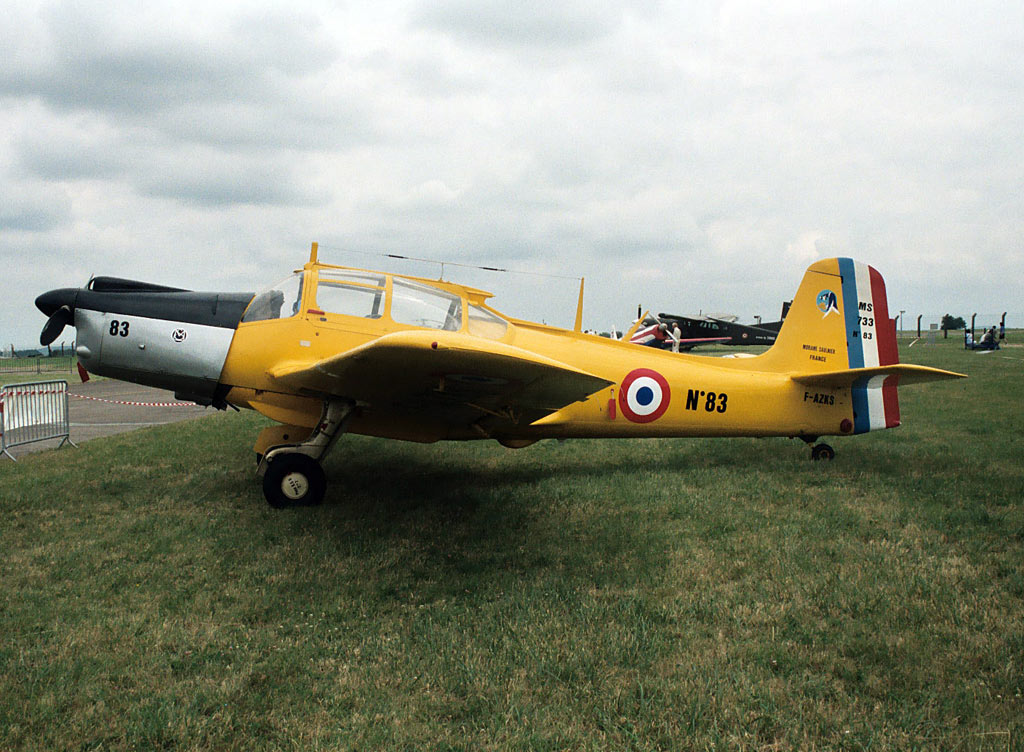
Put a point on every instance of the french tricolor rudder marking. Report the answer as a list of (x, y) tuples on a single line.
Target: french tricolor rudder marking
[(870, 342), (891, 401), (885, 327)]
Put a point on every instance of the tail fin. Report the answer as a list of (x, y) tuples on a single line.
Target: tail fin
[(839, 319), (838, 334)]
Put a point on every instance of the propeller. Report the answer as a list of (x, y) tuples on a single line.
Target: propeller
[(55, 324)]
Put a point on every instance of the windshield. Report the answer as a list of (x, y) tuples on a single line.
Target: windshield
[(483, 323), (420, 305), (278, 302)]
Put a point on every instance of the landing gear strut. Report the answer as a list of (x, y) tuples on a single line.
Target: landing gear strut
[(292, 475)]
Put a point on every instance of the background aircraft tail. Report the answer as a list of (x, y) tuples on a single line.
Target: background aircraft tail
[(838, 334)]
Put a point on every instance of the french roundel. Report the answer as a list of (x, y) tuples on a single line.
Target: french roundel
[(644, 395)]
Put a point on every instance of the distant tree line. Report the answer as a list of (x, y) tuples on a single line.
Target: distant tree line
[(950, 322)]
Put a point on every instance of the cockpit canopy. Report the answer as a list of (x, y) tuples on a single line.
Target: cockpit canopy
[(374, 295)]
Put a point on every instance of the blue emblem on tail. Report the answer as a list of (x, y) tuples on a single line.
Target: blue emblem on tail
[(828, 302)]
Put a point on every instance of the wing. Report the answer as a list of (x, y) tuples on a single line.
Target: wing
[(442, 376)]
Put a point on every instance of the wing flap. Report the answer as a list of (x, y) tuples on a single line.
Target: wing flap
[(418, 368), (907, 374)]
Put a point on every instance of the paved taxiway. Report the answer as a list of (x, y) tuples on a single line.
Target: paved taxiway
[(100, 409)]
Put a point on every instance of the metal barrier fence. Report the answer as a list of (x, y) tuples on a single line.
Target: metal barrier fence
[(41, 364), (34, 412)]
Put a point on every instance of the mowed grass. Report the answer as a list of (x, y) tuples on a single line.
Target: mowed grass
[(604, 595)]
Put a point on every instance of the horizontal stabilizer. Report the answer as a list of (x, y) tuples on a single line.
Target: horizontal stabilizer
[(908, 374)]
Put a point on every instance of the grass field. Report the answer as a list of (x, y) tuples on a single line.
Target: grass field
[(609, 595)]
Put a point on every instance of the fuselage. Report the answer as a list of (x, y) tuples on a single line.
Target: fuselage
[(682, 395)]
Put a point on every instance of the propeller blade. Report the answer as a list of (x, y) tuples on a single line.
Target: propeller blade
[(55, 325)]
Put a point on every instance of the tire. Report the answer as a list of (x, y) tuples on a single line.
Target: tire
[(294, 480), (823, 452)]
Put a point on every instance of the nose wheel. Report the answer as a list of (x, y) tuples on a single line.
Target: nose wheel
[(294, 480)]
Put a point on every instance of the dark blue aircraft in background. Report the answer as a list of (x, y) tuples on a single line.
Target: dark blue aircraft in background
[(705, 330)]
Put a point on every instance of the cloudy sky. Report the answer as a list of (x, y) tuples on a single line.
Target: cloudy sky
[(687, 156)]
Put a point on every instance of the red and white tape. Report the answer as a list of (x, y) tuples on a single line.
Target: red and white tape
[(136, 404)]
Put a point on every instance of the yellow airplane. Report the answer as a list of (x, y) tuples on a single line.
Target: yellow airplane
[(332, 349)]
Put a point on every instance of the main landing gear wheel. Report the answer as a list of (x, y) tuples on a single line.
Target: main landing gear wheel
[(292, 475), (822, 452), (294, 480)]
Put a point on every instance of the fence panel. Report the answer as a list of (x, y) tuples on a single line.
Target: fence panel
[(41, 364), (33, 412)]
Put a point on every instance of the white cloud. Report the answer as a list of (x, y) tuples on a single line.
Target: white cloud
[(528, 23), (33, 207)]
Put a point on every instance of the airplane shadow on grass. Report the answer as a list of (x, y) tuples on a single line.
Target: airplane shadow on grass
[(451, 518), (461, 519), (424, 480), (364, 483)]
